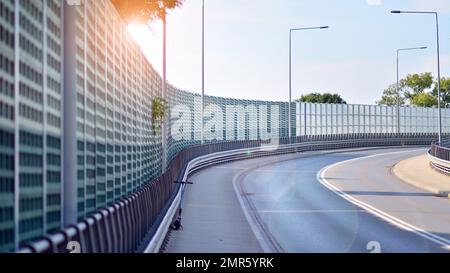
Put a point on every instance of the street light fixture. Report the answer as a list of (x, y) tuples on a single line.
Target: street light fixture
[(398, 87), (290, 69), (438, 64)]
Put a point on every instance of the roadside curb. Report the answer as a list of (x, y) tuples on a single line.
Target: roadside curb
[(403, 174)]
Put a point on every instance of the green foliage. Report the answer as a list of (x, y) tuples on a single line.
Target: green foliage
[(445, 91), (424, 100), (321, 98), (158, 112), (413, 91), (417, 83), (389, 97), (145, 11)]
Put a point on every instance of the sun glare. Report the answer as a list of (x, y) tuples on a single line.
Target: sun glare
[(140, 33), (148, 40)]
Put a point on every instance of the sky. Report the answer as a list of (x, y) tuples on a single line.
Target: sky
[(247, 46)]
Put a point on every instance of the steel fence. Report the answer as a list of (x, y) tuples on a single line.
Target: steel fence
[(440, 156), (440, 152)]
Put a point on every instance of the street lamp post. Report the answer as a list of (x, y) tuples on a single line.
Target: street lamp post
[(164, 91), (438, 64), (398, 87), (290, 70), (203, 73)]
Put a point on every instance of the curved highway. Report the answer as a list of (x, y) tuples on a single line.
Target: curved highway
[(343, 201)]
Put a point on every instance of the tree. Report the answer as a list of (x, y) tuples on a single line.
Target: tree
[(145, 11), (424, 99), (417, 83), (445, 91), (389, 97), (409, 87), (321, 98), (158, 113)]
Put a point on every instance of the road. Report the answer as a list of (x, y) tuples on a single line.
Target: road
[(304, 203), (303, 213)]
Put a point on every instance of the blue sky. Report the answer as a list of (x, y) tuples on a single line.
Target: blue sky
[(246, 46)]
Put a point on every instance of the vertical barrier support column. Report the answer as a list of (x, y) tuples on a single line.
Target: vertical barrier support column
[(70, 123), (305, 117), (16, 122)]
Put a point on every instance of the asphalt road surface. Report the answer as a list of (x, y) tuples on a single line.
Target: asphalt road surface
[(354, 206), (306, 203)]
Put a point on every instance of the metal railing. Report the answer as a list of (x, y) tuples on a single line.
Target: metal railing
[(130, 225), (440, 156)]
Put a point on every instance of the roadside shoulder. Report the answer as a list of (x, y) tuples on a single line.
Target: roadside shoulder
[(418, 172)]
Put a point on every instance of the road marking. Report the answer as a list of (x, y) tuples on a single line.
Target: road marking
[(228, 168), (377, 212), (262, 170), (311, 211)]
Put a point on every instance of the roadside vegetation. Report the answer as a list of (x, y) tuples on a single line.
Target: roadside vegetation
[(321, 98), (417, 90)]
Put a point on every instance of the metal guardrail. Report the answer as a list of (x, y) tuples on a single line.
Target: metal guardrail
[(440, 158), (129, 224), (143, 219)]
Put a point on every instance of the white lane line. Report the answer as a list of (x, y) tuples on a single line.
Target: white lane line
[(312, 211), (281, 171), (377, 212), (228, 168), (263, 170)]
